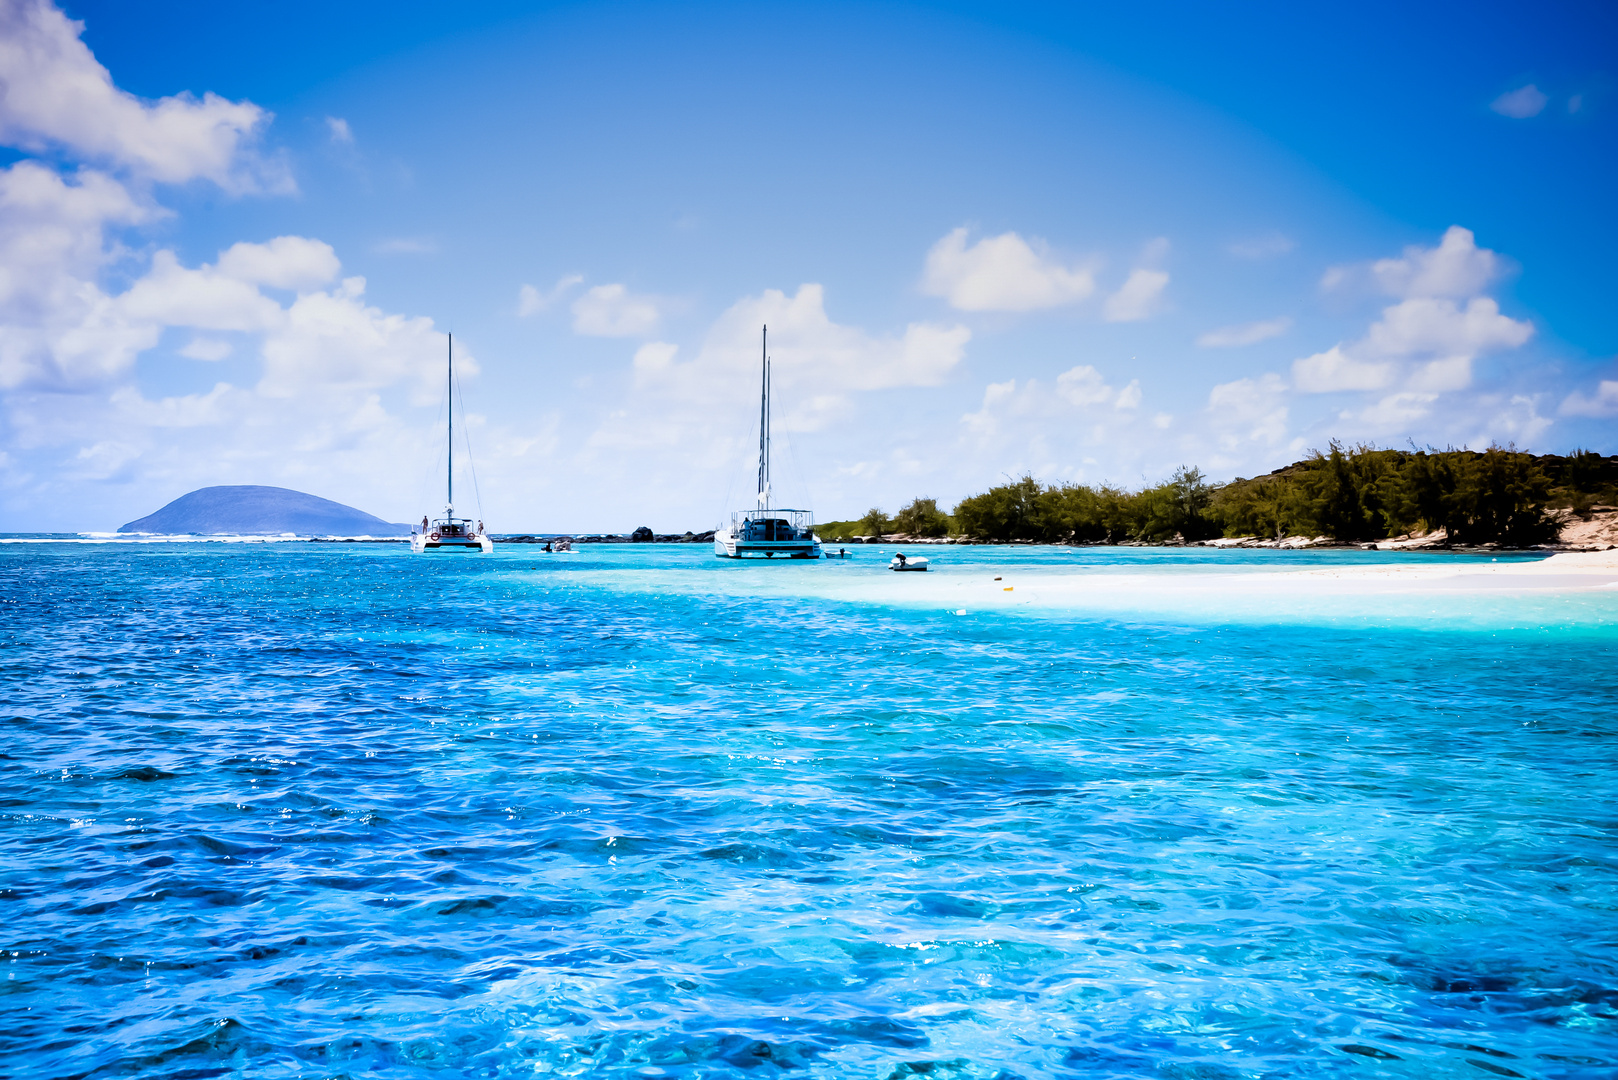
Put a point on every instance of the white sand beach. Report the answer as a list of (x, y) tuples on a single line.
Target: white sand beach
[(1575, 586)]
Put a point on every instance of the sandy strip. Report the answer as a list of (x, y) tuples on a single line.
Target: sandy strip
[(1582, 569), (1260, 594)]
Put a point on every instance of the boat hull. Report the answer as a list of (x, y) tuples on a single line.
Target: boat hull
[(471, 545), (728, 546)]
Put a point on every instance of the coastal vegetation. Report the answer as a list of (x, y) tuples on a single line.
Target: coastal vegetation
[(1347, 493)]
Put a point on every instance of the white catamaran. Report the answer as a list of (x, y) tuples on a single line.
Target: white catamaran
[(764, 530), (450, 533)]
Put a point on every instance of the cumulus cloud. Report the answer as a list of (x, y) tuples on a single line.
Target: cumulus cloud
[(531, 300), (1456, 268), (287, 262), (333, 339), (58, 96), (809, 350), (1244, 333), (1249, 411), (1002, 273), (1442, 326), (1334, 370), (58, 328), (1602, 403), (209, 349), (613, 311), (1395, 410), (1080, 396), (1521, 103), (818, 366), (205, 298), (652, 360), (1138, 297), (1430, 325)]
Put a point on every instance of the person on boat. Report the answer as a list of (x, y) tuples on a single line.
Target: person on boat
[(480, 527), (547, 546), (424, 523), (901, 557)]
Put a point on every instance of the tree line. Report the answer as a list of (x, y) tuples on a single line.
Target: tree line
[(1361, 493)]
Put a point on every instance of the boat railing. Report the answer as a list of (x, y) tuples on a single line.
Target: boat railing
[(800, 520)]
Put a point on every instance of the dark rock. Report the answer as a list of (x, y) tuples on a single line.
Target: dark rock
[(642, 535)]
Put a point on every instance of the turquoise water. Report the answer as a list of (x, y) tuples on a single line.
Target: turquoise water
[(325, 810)]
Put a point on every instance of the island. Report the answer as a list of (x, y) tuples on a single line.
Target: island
[(254, 510)]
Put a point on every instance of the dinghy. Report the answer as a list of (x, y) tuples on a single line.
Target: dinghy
[(902, 562)]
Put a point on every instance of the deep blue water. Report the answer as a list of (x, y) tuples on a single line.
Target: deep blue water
[(325, 810)]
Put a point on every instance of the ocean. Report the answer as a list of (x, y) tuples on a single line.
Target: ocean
[(321, 810)]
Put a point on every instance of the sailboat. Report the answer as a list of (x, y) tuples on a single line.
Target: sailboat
[(766, 530), (450, 533)]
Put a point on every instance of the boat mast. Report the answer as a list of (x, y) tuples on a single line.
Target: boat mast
[(764, 426), (449, 382)]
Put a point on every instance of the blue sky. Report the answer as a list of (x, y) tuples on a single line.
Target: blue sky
[(1092, 242)]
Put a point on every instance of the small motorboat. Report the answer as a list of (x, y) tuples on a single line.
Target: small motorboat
[(902, 562)]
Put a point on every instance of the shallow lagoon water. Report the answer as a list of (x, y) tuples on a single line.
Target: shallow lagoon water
[(320, 810)]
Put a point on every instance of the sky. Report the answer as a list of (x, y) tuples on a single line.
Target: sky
[(1088, 242)]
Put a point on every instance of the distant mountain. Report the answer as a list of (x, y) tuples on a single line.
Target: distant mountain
[(245, 510)]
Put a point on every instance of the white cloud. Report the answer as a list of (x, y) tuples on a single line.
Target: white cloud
[(172, 295), (1083, 385), (1521, 103), (1442, 376), (1603, 403), (1456, 268), (1395, 410), (1266, 246), (652, 360), (1441, 326), (210, 349), (1334, 370), (1430, 324), (613, 311), (1082, 408), (1517, 421), (287, 262), (1249, 411), (1002, 273), (58, 329), (1244, 333), (58, 95), (340, 131), (332, 339), (531, 300), (807, 349), (1138, 297), (187, 411), (817, 366)]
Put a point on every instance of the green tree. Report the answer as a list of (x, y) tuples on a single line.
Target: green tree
[(875, 523), (922, 517), (1004, 512)]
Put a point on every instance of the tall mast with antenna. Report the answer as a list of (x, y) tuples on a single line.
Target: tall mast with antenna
[(764, 426), (449, 398)]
